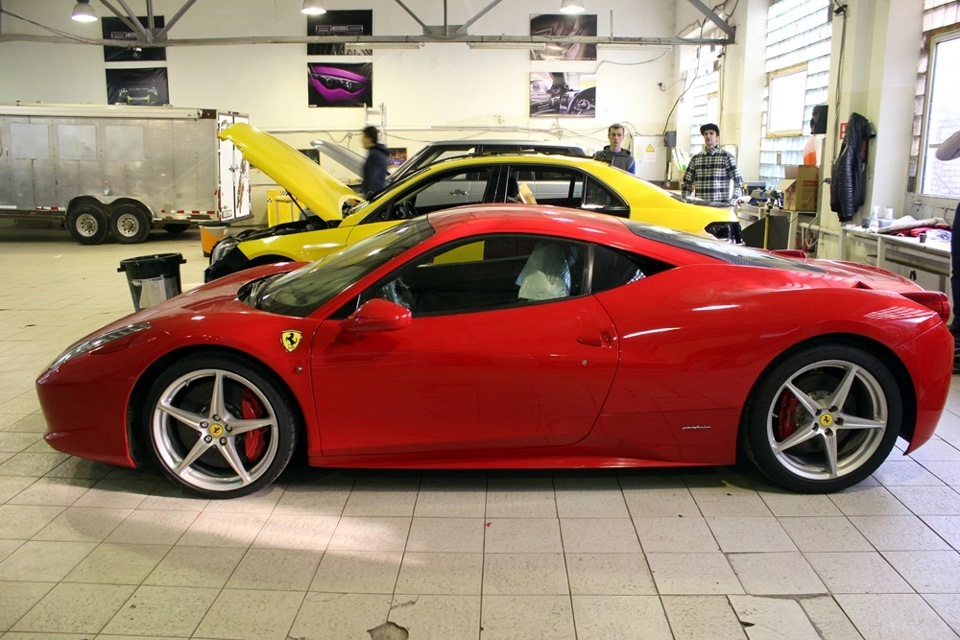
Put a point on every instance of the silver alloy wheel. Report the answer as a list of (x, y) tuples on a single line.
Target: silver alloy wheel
[(87, 225), (827, 420), (200, 437), (128, 225)]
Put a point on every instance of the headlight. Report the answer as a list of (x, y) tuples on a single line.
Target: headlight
[(222, 247), (333, 82), (99, 341)]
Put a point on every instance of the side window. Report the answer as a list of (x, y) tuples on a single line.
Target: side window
[(492, 272), (610, 268), (599, 197), (439, 191), (550, 185)]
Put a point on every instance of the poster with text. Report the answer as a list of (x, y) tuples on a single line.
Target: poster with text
[(145, 87), (116, 29), (339, 85), (339, 23), (557, 94), (560, 25)]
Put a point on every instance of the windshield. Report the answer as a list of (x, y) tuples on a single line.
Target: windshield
[(301, 292), (732, 253)]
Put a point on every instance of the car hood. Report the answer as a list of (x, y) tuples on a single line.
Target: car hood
[(303, 179)]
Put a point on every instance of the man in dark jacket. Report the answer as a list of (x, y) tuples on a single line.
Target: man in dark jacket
[(614, 153), (375, 168)]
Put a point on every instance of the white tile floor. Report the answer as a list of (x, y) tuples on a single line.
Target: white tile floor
[(92, 551)]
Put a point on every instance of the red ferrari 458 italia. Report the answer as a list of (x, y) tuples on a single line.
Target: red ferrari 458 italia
[(542, 338)]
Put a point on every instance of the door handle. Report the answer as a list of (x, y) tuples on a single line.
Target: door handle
[(598, 339), (458, 192)]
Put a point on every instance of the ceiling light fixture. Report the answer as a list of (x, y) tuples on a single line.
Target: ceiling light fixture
[(313, 7), (571, 6), (509, 44), (360, 46), (83, 12)]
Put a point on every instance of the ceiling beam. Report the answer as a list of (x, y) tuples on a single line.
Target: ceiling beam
[(715, 19), (640, 42)]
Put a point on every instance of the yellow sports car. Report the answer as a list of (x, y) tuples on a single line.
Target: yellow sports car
[(335, 216)]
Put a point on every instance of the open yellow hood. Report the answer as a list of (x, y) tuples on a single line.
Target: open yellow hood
[(301, 177)]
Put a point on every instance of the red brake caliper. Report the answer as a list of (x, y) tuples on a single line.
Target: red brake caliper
[(787, 412), (253, 441)]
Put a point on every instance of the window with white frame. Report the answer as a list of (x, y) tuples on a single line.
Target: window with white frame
[(787, 91), (941, 179), (941, 25)]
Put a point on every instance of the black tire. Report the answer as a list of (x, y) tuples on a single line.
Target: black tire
[(801, 410), (181, 414), (130, 224), (174, 229), (87, 223)]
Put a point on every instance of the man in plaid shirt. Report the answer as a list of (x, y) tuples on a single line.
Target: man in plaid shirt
[(709, 172)]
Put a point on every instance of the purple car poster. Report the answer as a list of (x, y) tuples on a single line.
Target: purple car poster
[(142, 86), (396, 156), (339, 85), (563, 94), (560, 25), (357, 22), (116, 29)]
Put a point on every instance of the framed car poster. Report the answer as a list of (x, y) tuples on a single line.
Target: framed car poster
[(339, 85), (117, 29), (357, 22), (562, 94), (559, 25), (141, 86), (396, 156)]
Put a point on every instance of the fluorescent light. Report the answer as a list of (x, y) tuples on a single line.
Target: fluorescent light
[(313, 7), (571, 6), (83, 12), (508, 44), (360, 46)]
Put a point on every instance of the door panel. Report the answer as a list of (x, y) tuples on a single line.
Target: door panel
[(529, 376)]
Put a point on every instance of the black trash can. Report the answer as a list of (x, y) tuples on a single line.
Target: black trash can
[(152, 279)]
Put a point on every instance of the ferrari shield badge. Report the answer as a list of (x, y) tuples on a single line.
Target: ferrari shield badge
[(290, 340)]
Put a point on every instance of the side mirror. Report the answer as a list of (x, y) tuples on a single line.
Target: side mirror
[(377, 315)]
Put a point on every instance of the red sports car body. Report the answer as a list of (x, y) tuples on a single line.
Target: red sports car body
[(543, 338)]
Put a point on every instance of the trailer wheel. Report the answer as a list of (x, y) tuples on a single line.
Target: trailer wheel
[(174, 229), (87, 223), (130, 224)]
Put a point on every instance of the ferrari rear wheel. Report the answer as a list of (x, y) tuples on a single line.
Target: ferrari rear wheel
[(219, 427), (823, 419)]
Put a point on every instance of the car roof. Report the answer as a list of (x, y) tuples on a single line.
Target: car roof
[(506, 217), (466, 144), (499, 158)]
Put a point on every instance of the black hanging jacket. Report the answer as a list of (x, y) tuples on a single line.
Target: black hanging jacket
[(848, 181)]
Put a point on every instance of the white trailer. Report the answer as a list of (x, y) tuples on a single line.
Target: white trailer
[(120, 170)]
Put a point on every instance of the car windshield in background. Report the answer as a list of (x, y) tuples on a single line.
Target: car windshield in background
[(303, 291), (732, 253)]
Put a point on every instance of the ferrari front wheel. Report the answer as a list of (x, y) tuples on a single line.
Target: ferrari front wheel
[(823, 419), (219, 427)]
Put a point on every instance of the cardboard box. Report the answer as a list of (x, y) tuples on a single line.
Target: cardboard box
[(801, 188)]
